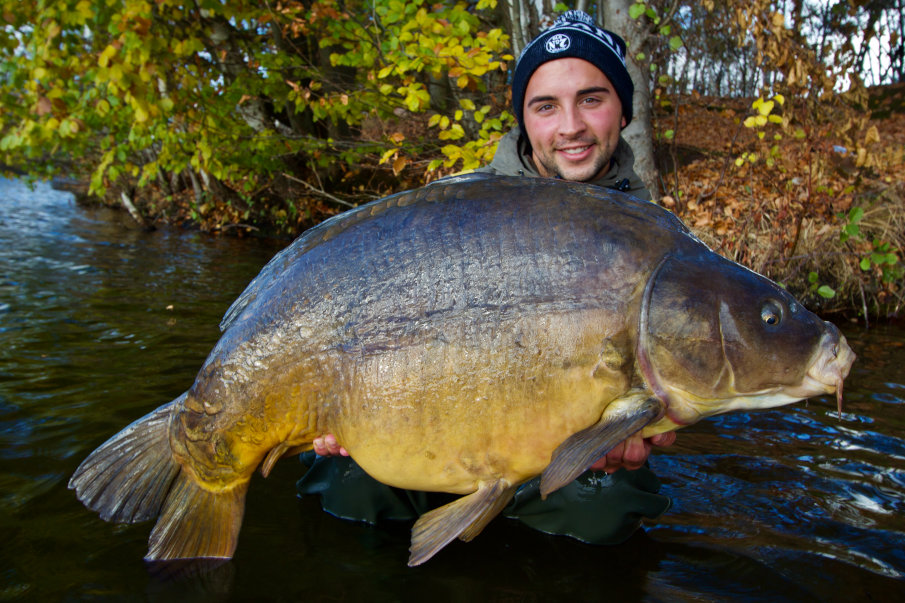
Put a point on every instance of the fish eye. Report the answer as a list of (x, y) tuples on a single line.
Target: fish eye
[(771, 313)]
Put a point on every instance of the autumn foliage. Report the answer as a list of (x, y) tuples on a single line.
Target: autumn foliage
[(237, 116)]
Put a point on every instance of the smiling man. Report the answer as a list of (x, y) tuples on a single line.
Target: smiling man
[(572, 96)]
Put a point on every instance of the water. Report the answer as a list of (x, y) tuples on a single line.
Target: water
[(100, 322)]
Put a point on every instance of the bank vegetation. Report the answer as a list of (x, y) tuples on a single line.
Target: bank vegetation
[(755, 127)]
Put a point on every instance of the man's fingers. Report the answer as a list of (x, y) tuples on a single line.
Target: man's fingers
[(328, 446), (664, 439), (637, 449), (612, 461)]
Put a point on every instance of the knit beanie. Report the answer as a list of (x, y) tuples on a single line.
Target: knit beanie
[(574, 34)]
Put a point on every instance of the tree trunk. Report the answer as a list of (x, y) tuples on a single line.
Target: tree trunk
[(133, 211), (639, 133), (525, 19)]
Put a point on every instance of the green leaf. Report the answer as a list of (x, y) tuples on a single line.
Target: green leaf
[(675, 43), (636, 10), (826, 291)]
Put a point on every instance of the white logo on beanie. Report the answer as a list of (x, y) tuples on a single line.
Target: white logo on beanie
[(558, 43), (576, 20)]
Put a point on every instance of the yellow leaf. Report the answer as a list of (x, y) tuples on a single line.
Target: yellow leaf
[(85, 11), (873, 135), (387, 154), (104, 59), (467, 104), (462, 81), (749, 122), (779, 98), (766, 107), (760, 120)]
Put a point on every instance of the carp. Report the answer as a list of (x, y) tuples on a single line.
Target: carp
[(463, 337)]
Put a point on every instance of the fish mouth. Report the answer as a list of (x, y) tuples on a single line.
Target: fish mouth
[(829, 367)]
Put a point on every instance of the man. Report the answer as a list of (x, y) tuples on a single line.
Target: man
[(572, 96)]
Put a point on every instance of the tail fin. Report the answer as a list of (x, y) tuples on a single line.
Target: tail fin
[(198, 523), (134, 477), (127, 478)]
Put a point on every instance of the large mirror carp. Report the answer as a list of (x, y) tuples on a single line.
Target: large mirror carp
[(464, 337)]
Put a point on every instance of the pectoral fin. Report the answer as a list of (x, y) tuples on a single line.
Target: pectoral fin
[(622, 418), (463, 518), (277, 452)]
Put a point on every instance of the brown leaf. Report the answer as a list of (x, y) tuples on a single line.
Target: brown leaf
[(43, 106), (399, 164)]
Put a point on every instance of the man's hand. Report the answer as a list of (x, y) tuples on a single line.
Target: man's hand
[(328, 446), (632, 453)]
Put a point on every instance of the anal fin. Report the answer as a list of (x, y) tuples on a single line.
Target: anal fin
[(622, 418), (463, 518)]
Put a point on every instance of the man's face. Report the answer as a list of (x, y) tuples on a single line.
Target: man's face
[(572, 117)]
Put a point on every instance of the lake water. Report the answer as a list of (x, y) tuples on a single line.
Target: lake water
[(100, 322)]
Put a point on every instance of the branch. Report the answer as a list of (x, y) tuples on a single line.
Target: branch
[(318, 191)]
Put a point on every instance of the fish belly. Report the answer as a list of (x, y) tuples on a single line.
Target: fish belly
[(443, 416)]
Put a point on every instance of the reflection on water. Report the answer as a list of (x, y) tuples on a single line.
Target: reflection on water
[(100, 322)]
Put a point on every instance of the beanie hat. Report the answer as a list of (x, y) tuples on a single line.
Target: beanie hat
[(574, 34)]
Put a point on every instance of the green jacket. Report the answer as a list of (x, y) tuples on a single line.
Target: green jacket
[(513, 158)]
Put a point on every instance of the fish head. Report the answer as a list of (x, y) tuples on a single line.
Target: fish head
[(717, 337)]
